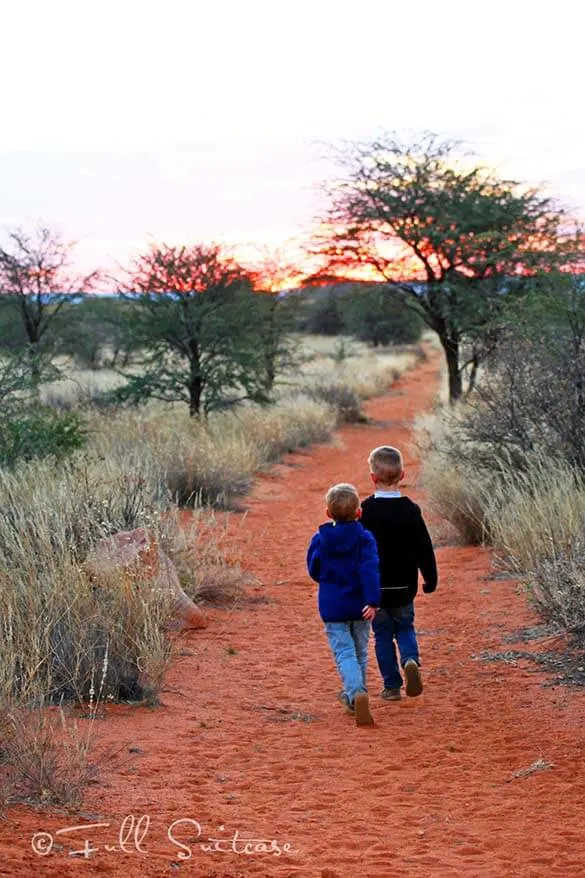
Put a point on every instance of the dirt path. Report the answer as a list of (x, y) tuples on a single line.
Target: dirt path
[(251, 740)]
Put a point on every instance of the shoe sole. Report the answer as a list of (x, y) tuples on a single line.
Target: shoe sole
[(414, 685), (363, 717)]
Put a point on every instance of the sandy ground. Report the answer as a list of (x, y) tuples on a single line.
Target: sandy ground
[(250, 741)]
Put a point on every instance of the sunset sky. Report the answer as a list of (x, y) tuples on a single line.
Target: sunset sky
[(126, 122)]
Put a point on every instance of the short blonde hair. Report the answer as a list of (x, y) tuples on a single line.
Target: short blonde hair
[(343, 502), (386, 463)]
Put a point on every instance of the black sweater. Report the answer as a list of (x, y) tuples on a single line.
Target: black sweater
[(404, 547)]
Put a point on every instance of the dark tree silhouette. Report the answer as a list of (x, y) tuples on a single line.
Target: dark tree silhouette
[(417, 211), (36, 284), (192, 310)]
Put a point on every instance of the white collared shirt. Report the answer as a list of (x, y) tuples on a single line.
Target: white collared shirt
[(387, 495)]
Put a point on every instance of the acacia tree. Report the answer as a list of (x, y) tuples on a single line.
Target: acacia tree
[(278, 350), (413, 211), (192, 313), (36, 284), (278, 310)]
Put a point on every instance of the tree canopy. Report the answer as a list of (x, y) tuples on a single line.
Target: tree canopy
[(417, 211), (36, 284), (192, 312)]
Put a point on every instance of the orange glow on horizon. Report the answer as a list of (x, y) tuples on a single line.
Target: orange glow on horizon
[(294, 266), (397, 264)]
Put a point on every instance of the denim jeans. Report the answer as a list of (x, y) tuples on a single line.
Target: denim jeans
[(391, 627), (349, 644)]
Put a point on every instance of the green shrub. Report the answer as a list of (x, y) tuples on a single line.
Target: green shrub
[(30, 434), (321, 311), (374, 313)]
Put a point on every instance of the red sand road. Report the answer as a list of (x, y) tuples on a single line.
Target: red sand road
[(251, 741)]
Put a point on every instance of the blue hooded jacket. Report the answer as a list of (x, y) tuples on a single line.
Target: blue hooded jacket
[(343, 559)]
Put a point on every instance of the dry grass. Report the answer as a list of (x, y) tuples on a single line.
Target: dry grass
[(48, 756), (208, 463), (313, 347), (457, 493), (177, 455), (534, 516), (537, 522), (341, 373), (541, 510), (539, 765), (368, 372), (80, 386), (59, 632), (214, 462), (295, 422), (56, 627), (210, 569), (138, 464), (323, 358)]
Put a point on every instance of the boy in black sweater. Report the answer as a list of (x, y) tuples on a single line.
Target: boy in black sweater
[(404, 548)]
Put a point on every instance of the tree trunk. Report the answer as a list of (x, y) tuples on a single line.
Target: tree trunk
[(270, 371), (195, 379), (473, 374), (451, 348), (271, 347), (195, 394), (35, 370)]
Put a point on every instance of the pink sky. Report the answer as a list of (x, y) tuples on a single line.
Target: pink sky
[(127, 122)]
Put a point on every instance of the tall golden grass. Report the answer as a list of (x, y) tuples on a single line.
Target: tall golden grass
[(533, 517), (457, 492), (136, 468), (537, 525), (56, 627)]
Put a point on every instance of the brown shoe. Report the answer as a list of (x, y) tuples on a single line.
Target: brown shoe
[(361, 705), (391, 694), (414, 684)]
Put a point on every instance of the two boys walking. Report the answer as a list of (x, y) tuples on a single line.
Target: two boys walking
[(367, 561)]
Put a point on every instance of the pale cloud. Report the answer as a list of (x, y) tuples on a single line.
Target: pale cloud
[(182, 120)]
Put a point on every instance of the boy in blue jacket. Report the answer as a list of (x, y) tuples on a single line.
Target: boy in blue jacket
[(343, 559)]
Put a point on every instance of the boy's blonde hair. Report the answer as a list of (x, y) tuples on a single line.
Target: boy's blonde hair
[(386, 463), (343, 502)]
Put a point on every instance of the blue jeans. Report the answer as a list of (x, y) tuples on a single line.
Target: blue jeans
[(391, 627), (349, 644)]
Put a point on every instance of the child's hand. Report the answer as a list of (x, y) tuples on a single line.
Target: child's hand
[(368, 613)]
